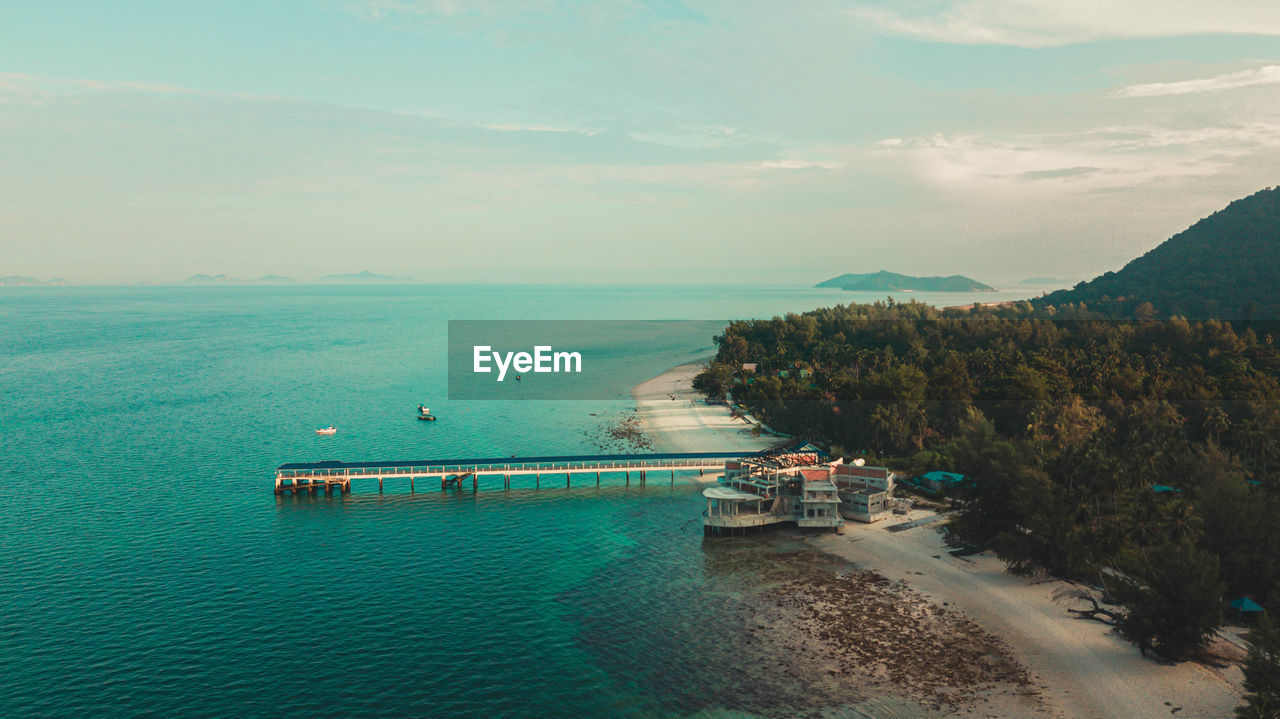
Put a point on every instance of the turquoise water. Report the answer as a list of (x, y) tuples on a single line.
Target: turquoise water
[(147, 569)]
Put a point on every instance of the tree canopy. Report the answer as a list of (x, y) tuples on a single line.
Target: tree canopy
[(1098, 448)]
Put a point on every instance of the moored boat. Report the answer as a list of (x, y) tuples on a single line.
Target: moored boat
[(327, 430)]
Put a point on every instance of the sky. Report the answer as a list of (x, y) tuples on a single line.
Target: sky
[(645, 141)]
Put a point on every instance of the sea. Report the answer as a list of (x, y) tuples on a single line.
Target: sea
[(147, 568)]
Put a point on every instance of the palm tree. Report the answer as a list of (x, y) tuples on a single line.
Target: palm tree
[(1181, 521), (1215, 423)]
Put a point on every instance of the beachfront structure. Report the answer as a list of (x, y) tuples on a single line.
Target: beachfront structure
[(782, 485), (865, 492), (936, 481), (865, 505), (856, 476)]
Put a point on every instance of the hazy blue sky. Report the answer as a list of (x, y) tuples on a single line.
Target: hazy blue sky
[(636, 141)]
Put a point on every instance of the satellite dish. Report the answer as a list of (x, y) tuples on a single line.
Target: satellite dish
[(859, 462)]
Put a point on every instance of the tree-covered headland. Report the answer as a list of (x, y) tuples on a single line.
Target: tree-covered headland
[(1144, 455), (1127, 446)]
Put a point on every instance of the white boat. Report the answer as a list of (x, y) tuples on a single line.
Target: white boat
[(327, 430)]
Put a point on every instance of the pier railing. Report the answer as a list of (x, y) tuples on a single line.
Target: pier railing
[(311, 476)]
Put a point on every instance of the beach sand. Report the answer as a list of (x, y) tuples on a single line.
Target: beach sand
[(1082, 667), (1076, 668), (676, 419)]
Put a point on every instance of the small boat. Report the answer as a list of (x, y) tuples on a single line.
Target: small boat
[(327, 430), (427, 417)]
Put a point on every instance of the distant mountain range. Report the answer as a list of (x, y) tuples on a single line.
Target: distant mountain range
[(225, 280), (1225, 266), (883, 281), (352, 278), (366, 276), (21, 281)]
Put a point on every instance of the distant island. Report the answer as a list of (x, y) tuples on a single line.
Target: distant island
[(883, 281), (225, 280), (352, 278), (21, 281), (1224, 266), (362, 277)]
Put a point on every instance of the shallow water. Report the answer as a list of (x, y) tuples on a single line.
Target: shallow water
[(146, 567)]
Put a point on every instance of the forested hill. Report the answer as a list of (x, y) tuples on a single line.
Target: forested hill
[(1225, 266)]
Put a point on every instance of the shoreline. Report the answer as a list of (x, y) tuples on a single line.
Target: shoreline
[(676, 419), (1081, 668), (1077, 668)]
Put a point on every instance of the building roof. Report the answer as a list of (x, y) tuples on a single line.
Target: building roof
[(867, 492), (728, 493), (1245, 604), (937, 476)]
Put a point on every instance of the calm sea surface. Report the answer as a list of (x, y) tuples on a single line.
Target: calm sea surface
[(147, 569)]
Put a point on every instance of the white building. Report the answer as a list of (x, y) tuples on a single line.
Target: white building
[(790, 484)]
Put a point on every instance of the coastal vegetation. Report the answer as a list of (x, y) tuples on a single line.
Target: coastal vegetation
[(1262, 673), (1125, 433), (1142, 456), (883, 281)]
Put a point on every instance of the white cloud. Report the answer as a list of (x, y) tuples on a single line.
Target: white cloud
[(379, 9), (795, 164), (522, 127), (37, 88), (1267, 75), (1104, 158), (700, 137), (1043, 23)]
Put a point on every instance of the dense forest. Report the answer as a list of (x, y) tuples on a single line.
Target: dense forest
[(1142, 456), (1226, 265)]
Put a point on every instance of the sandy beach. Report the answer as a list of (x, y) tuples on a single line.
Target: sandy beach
[(676, 419), (1082, 667), (1074, 667)]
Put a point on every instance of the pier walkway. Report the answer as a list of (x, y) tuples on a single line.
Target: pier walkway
[(331, 475)]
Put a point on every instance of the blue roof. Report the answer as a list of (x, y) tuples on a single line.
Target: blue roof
[(1246, 604), (1163, 488), (936, 476)]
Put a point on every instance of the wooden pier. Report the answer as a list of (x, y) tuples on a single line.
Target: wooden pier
[(313, 477)]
